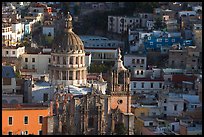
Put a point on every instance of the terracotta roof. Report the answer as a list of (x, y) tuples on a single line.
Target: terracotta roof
[(178, 78)]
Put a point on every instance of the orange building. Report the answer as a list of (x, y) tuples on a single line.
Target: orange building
[(25, 119)]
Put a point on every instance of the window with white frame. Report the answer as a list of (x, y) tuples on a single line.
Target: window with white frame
[(134, 84), (149, 38), (10, 120), (25, 119), (40, 119), (166, 40), (159, 40), (10, 133), (151, 43)]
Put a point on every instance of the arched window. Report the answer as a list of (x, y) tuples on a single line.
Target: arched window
[(91, 122), (121, 78)]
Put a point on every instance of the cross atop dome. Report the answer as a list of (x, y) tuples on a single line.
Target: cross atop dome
[(69, 22)]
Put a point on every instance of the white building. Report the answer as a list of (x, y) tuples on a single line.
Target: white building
[(136, 63), (146, 85), (36, 61), (197, 8), (102, 54), (102, 42), (17, 30), (12, 51), (6, 34), (172, 104), (120, 24), (186, 13)]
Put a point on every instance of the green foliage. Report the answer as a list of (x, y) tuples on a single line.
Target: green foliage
[(120, 129), (18, 75), (98, 68), (159, 25), (76, 9), (65, 7)]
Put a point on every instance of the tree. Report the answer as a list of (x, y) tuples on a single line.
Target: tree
[(159, 24), (120, 129), (65, 7), (76, 10)]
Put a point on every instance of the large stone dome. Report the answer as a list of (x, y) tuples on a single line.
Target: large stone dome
[(71, 41)]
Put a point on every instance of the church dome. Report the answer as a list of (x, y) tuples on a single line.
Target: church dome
[(71, 41)]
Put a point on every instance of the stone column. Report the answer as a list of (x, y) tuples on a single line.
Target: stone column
[(74, 60)]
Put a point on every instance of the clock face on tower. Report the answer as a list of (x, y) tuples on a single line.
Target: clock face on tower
[(120, 101)]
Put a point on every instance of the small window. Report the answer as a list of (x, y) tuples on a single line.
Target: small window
[(151, 43), (7, 52), (134, 84), (142, 61), (165, 108), (173, 40), (166, 40), (49, 60), (26, 132), (10, 120), (40, 132), (40, 119), (133, 61), (33, 59), (151, 85), (142, 85), (45, 97), (141, 72), (175, 107), (138, 61), (13, 52), (26, 59), (160, 85), (10, 133), (151, 123), (26, 120), (164, 100), (159, 40)]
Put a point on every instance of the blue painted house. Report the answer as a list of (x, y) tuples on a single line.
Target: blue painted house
[(159, 39)]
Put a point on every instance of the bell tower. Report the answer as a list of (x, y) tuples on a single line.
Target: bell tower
[(119, 86)]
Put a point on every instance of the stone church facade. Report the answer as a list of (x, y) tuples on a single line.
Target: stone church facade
[(94, 113)]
